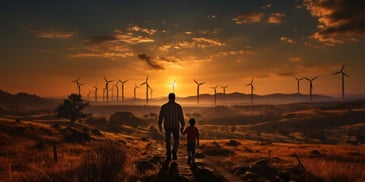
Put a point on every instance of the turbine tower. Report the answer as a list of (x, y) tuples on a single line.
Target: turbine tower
[(298, 86), (311, 85), (116, 86), (104, 89), (173, 86), (123, 82), (134, 90), (215, 94), (252, 88), (224, 93), (197, 89), (147, 86), (107, 88), (88, 95), (96, 93), (343, 74)]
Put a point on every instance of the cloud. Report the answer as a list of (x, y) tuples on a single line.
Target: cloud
[(288, 40), (238, 52), (53, 34), (110, 55), (205, 42), (150, 62), (275, 18), (338, 21), (294, 59), (136, 28), (250, 17), (130, 38), (267, 6), (169, 59)]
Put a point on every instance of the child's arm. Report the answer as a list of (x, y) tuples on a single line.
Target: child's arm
[(184, 132), (197, 140)]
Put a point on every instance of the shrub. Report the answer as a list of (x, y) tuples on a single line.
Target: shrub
[(72, 108)]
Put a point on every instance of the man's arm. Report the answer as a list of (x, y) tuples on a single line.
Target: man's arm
[(160, 118), (181, 118)]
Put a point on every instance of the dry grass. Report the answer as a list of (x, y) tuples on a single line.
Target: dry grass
[(343, 163), (27, 155)]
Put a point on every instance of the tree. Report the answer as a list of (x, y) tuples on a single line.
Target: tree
[(72, 108)]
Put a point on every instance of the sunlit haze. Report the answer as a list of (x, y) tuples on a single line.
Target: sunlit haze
[(45, 45)]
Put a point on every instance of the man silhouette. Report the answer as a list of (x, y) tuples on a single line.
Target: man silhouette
[(172, 115)]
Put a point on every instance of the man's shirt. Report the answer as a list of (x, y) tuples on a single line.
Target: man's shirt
[(171, 114)]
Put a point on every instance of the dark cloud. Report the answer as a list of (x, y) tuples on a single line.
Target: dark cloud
[(338, 20), (150, 62)]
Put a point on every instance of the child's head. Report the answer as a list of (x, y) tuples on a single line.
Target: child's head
[(192, 121)]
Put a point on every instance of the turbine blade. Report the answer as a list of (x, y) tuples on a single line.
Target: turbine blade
[(343, 66), (335, 73), (315, 78), (201, 83), (196, 82), (345, 74)]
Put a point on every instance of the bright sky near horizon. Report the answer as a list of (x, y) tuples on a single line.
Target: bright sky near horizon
[(45, 45)]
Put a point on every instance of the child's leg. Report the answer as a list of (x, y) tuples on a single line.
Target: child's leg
[(193, 154)]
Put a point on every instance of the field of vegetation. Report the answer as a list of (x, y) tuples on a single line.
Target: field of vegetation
[(300, 142)]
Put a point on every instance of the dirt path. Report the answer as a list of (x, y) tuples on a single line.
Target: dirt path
[(179, 170)]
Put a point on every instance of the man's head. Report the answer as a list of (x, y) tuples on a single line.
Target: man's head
[(171, 96)]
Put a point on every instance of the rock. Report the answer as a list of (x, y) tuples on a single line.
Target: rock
[(315, 153), (144, 166), (96, 132), (284, 175), (240, 170), (262, 163), (233, 143), (249, 176)]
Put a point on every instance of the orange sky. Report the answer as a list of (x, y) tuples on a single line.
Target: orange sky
[(221, 43)]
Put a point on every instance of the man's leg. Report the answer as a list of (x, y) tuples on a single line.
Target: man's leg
[(175, 133), (168, 144)]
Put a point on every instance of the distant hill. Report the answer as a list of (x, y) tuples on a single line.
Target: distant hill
[(241, 98), (24, 101)]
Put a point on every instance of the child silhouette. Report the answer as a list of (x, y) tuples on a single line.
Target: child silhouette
[(192, 140)]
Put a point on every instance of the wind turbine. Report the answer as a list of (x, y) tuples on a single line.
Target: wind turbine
[(224, 93), (107, 88), (173, 86), (311, 85), (96, 93), (298, 86), (147, 86), (197, 89), (77, 85), (123, 82), (343, 79), (252, 88), (134, 90), (215, 94)]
